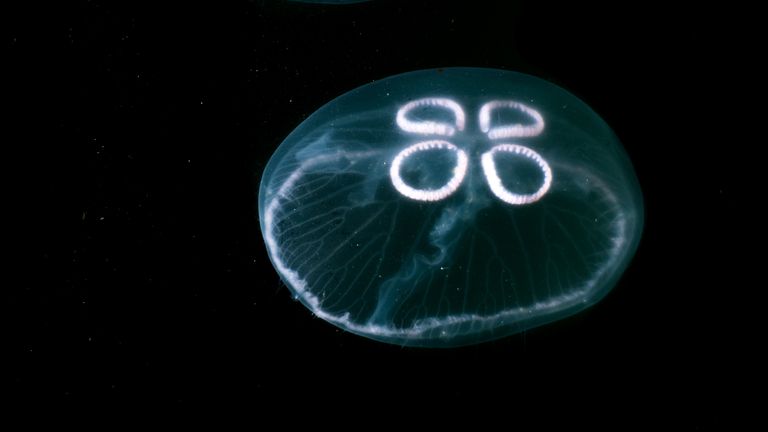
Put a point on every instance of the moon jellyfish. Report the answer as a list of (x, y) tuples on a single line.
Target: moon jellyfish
[(448, 207)]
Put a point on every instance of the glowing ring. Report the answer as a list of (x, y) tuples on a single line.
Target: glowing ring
[(513, 130), (431, 127), (429, 194), (498, 189)]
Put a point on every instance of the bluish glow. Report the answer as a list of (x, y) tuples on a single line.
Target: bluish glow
[(450, 206), (329, 1)]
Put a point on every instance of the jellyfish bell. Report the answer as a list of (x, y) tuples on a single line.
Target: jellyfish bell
[(448, 207)]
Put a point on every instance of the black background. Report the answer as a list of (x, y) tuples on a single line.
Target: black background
[(143, 132)]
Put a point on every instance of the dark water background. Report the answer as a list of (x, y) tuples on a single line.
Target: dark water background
[(143, 131)]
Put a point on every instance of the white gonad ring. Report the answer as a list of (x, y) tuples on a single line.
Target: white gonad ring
[(511, 130), (427, 127), (498, 189), (429, 194)]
